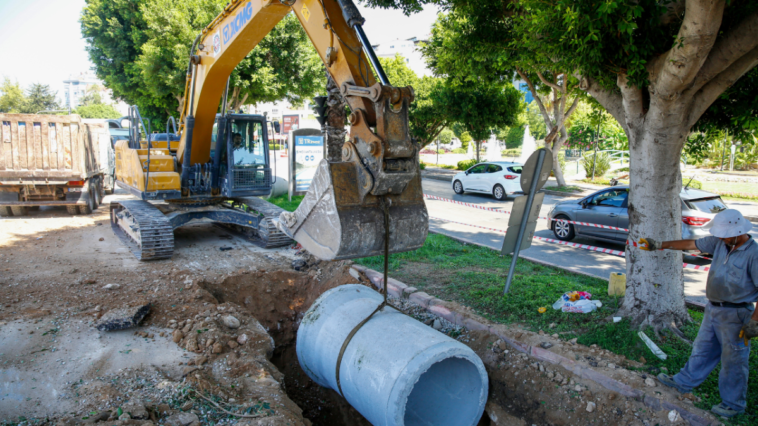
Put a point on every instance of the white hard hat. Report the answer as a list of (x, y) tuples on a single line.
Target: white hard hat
[(730, 223)]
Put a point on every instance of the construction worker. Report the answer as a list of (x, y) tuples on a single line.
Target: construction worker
[(730, 318)]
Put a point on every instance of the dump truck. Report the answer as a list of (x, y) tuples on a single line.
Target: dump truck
[(54, 160)]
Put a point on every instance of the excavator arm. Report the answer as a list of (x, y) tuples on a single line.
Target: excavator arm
[(342, 215)]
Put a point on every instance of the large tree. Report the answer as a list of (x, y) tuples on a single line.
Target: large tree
[(39, 97), (11, 97), (460, 50), (657, 67)]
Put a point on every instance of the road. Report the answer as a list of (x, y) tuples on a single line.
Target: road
[(579, 260)]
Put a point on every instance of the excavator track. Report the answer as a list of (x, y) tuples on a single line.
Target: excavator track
[(267, 235), (143, 228)]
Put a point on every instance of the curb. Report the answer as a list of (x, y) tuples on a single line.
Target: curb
[(474, 322), (563, 194), (437, 177)]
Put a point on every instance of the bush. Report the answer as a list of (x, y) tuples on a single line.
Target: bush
[(447, 166), (694, 184), (275, 147), (459, 151), (516, 152), (466, 164), (422, 166), (602, 165)]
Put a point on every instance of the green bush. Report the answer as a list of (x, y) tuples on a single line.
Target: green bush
[(422, 166), (275, 147), (466, 164), (603, 163), (515, 152), (694, 184), (459, 151), (447, 166)]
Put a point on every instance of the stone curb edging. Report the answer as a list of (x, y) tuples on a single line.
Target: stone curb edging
[(475, 323)]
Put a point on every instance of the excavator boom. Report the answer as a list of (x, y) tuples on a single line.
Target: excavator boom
[(342, 215)]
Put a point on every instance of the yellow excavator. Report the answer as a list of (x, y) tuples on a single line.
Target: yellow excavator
[(215, 165)]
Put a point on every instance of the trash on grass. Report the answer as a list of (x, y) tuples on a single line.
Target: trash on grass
[(653, 347), (616, 319), (576, 301), (542, 309)]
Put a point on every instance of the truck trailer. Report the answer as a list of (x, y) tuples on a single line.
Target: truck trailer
[(54, 160)]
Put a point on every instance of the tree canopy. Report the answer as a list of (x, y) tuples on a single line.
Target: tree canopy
[(658, 67), (37, 98), (141, 49)]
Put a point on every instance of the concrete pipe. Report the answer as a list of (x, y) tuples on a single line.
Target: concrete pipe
[(395, 371)]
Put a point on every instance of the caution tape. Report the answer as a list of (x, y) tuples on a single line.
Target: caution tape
[(594, 225), (476, 206), (618, 253), (460, 203)]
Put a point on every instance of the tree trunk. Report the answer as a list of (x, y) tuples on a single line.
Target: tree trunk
[(557, 165), (335, 121), (654, 287), (478, 145)]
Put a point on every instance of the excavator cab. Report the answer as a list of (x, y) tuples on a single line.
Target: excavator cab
[(244, 166)]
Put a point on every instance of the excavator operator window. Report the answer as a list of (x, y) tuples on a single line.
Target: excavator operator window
[(248, 146)]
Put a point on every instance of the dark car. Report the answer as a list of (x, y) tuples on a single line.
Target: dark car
[(609, 207)]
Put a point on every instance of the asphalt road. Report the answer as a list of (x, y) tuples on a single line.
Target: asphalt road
[(576, 259)]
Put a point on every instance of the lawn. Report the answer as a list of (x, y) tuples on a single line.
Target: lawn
[(283, 201), (568, 189), (474, 276)]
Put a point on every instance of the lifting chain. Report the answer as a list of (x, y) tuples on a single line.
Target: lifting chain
[(386, 207)]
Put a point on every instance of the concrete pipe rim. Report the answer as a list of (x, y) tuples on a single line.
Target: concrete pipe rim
[(421, 369)]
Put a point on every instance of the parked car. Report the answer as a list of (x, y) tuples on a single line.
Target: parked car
[(609, 207), (499, 178)]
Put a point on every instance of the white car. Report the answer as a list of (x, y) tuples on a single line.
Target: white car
[(498, 178)]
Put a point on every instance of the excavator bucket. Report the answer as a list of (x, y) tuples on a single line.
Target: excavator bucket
[(335, 222)]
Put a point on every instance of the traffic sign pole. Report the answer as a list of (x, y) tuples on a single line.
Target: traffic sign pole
[(527, 209)]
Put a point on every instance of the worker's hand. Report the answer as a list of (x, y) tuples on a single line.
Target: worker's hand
[(749, 330), (648, 244)]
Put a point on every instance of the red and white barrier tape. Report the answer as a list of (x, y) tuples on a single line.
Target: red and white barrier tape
[(594, 225), (476, 206), (619, 253)]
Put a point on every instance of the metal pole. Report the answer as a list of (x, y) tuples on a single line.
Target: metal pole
[(525, 218), (438, 152)]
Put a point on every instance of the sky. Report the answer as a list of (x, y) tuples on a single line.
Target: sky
[(41, 40)]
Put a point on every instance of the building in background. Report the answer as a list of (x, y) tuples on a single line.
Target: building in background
[(523, 88), (276, 111), (78, 85), (409, 49)]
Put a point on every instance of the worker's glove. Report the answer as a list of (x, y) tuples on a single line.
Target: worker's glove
[(648, 244), (750, 329)]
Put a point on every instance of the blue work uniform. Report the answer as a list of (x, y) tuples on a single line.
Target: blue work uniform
[(731, 288)]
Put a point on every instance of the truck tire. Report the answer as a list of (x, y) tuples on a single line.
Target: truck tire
[(19, 210), (91, 203), (5, 211), (99, 192), (72, 209)]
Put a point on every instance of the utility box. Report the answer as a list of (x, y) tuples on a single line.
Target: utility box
[(54, 160), (306, 150)]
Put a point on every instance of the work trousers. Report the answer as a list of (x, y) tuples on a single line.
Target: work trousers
[(718, 340)]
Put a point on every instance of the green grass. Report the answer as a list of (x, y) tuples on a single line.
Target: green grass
[(568, 188), (283, 202), (475, 276), (603, 181)]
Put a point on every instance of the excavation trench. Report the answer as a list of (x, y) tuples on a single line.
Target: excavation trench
[(278, 300)]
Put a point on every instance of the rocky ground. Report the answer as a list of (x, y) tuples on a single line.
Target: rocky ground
[(216, 344)]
